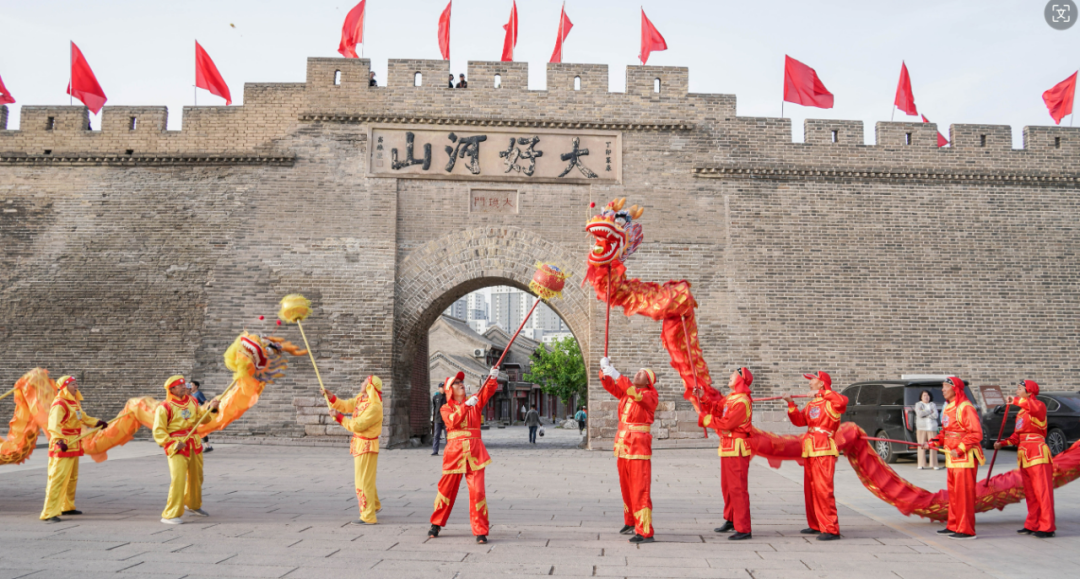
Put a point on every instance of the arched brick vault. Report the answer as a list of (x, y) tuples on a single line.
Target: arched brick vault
[(434, 275)]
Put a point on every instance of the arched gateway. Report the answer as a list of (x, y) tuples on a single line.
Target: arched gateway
[(133, 253)]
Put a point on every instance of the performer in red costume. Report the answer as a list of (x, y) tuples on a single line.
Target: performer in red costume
[(819, 452), (633, 445), (961, 437), (731, 417), (465, 454), (1036, 466)]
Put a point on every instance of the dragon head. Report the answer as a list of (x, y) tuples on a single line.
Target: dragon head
[(617, 236)]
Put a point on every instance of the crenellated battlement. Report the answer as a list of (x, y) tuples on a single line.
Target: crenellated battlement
[(656, 98)]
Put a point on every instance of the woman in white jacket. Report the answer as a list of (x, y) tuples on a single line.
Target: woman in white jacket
[(926, 427)]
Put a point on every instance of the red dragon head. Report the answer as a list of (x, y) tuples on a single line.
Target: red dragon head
[(617, 236)]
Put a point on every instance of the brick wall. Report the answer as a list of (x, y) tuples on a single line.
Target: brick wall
[(132, 253)]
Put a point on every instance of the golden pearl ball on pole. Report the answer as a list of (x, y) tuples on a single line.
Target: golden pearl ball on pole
[(294, 307)]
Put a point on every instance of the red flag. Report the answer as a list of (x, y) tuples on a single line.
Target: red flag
[(5, 96), (564, 30), (444, 32), (803, 87), (651, 40), (207, 75), (905, 99), (510, 41), (941, 140), (352, 32), (83, 84), (1060, 99)]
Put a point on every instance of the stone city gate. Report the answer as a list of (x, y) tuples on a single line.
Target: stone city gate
[(133, 252)]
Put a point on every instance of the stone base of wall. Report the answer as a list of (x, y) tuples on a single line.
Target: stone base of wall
[(311, 413)]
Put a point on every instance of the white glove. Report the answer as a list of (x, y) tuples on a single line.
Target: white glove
[(605, 362), (494, 373), (472, 401), (611, 372)]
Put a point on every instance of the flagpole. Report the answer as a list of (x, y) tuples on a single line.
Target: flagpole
[(561, 16), (893, 115), (71, 63), (363, 31)]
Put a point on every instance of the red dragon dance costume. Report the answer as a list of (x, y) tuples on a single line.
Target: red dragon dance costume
[(821, 416), (961, 432), (731, 417), (1033, 455), (465, 455), (633, 448)]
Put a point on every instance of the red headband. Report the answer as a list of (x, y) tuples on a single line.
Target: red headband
[(177, 382), (66, 381)]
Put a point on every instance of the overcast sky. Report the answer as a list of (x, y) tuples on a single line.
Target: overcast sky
[(970, 61)]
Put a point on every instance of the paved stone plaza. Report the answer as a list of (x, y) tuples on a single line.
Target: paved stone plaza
[(283, 511)]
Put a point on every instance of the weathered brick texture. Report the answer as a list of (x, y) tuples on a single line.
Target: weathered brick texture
[(133, 252)]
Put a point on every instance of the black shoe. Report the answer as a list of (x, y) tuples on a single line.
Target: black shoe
[(71, 512), (640, 539), (945, 531), (1043, 534), (627, 530), (740, 536), (961, 536), (481, 539), (434, 454), (727, 527), (1025, 531), (433, 531), (54, 520), (208, 449), (360, 522), (810, 531), (828, 537)]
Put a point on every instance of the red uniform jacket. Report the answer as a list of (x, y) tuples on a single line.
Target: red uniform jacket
[(1030, 434), (731, 417), (637, 410), (822, 415), (961, 430), (463, 444)]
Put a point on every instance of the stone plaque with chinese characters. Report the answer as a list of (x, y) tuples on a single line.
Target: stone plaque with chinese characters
[(503, 201), (496, 154)]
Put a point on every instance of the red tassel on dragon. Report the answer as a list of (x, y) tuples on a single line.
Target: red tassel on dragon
[(617, 235)]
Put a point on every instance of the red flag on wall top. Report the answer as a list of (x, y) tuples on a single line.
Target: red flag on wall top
[(941, 140), (1060, 99), (83, 84), (352, 32), (510, 41), (207, 75), (5, 96), (905, 99), (564, 30), (444, 31), (651, 40), (803, 87)]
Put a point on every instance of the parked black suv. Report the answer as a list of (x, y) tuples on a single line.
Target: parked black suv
[(1062, 421), (886, 409)]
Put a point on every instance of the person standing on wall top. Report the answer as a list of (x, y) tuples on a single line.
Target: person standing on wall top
[(371, 80), (451, 81), (462, 83)]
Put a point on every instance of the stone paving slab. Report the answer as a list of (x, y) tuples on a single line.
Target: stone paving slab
[(284, 512)]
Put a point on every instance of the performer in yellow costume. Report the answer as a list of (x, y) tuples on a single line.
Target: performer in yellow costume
[(174, 420), (365, 422), (66, 420)]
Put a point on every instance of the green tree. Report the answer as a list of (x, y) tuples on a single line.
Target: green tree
[(560, 371)]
